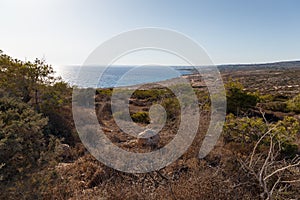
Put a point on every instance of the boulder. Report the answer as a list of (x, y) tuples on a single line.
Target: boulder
[(148, 138)]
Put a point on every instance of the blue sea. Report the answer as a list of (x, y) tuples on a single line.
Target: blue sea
[(116, 76)]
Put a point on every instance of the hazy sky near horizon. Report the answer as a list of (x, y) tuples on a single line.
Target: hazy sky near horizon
[(231, 31)]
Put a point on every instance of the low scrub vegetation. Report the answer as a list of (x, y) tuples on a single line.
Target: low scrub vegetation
[(141, 117), (294, 104), (238, 100)]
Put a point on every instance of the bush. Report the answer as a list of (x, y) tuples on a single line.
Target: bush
[(105, 92), (25, 80), (239, 100), (247, 131), (266, 98), (34, 83), (21, 137), (294, 104), (204, 99), (141, 117), (243, 130), (56, 105), (275, 106), (172, 108), (152, 94)]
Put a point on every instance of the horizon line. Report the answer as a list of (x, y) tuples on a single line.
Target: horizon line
[(180, 65)]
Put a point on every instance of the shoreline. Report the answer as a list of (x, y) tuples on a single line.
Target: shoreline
[(225, 70)]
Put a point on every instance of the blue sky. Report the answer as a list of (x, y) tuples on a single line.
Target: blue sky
[(231, 31)]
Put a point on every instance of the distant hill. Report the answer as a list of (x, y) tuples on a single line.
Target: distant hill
[(275, 65)]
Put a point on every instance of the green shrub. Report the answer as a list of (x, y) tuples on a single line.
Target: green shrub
[(107, 92), (294, 104), (34, 83), (25, 80), (141, 117), (243, 130), (239, 100), (172, 107), (56, 105), (203, 99), (151, 94), (266, 98), (247, 131), (21, 137), (275, 106)]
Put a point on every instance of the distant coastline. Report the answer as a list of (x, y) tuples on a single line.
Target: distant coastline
[(110, 78)]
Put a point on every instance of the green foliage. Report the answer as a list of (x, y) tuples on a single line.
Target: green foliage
[(243, 130), (107, 92), (294, 104), (266, 98), (21, 137), (151, 94), (52, 153), (239, 100), (275, 106), (34, 83), (55, 96), (203, 99), (285, 132), (25, 80), (56, 105), (247, 131), (28, 88), (33, 106), (141, 117), (172, 108)]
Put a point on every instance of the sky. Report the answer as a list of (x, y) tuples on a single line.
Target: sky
[(65, 32)]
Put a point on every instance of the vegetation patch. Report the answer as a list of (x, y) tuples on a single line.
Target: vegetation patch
[(141, 117)]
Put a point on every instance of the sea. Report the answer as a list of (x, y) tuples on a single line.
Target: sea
[(118, 76)]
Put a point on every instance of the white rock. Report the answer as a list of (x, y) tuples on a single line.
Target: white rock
[(148, 138)]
